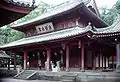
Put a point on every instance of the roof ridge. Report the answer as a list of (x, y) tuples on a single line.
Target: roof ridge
[(56, 6), (52, 12)]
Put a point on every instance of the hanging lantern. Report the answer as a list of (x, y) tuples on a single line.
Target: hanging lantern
[(63, 46), (79, 44), (33, 55), (38, 54), (44, 53), (116, 39), (61, 51)]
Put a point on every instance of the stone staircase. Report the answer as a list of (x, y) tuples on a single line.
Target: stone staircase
[(57, 76), (69, 78), (25, 75)]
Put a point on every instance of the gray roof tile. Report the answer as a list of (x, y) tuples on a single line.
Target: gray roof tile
[(112, 30), (59, 9), (49, 36), (3, 55)]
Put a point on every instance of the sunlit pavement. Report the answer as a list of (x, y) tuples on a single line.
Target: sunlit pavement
[(19, 80)]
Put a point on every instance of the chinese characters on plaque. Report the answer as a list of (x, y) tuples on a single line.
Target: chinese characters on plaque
[(47, 27)]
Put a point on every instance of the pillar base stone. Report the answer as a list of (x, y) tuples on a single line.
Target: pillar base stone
[(118, 68)]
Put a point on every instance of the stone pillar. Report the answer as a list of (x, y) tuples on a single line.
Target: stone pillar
[(25, 60), (67, 58), (82, 58), (14, 61), (118, 57), (48, 59)]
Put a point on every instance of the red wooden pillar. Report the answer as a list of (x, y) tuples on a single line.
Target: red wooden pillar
[(25, 59), (82, 58), (48, 59), (14, 61), (67, 58)]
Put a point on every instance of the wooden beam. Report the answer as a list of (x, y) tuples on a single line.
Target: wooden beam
[(15, 8)]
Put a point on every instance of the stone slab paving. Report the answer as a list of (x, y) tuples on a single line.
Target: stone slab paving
[(19, 80)]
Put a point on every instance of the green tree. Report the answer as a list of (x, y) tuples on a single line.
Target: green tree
[(8, 35), (108, 15)]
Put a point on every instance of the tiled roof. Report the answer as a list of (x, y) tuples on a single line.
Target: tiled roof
[(3, 55), (112, 30), (59, 9), (49, 36), (20, 3)]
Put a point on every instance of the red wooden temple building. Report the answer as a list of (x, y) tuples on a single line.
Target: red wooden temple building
[(72, 33)]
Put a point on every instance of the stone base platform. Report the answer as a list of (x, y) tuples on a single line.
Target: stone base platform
[(87, 76)]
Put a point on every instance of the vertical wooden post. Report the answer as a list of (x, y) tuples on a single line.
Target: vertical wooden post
[(113, 62), (108, 62), (102, 61), (25, 59), (105, 61), (48, 58), (61, 53), (94, 60), (118, 57), (14, 61), (8, 64), (67, 58), (99, 61), (82, 57)]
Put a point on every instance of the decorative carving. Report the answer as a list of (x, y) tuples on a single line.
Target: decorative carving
[(66, 24)]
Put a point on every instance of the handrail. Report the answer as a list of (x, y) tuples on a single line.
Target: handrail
[(31, 75), (18, 74)]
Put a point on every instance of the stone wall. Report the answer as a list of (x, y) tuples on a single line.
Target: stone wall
[(80, 76), (69, 76), (7, 73)]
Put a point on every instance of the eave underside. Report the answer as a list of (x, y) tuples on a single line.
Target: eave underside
[(9, 12)]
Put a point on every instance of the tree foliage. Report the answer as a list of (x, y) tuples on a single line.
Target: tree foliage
[(8, 35), (108, 15)]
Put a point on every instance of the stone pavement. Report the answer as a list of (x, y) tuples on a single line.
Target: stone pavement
[(19, 80)]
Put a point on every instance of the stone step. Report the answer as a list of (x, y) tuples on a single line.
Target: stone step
[(67, 81), (25, 75)]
